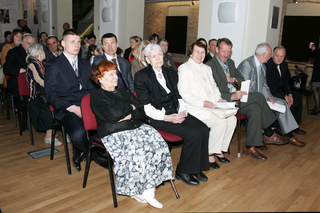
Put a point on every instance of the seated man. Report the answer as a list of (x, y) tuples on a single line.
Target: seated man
[(253, 69), (156, 88), (212, 50), (167, 58), (259, 115)]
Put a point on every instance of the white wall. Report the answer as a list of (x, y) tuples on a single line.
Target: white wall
[(205, 19), (273, 34), (303, 9)]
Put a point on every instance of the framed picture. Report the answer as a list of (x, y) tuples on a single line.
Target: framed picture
[(275, 17)]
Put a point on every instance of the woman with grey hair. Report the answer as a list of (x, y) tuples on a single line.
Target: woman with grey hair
[(38, 109), (139, 61)]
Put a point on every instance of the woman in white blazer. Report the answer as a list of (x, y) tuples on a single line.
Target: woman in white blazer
[(199, 90)]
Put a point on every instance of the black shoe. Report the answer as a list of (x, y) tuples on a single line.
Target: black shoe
[(76, 160), (222, 159), (299, 131), (187, 179), (214, 165), (99, 158), (201, 177)]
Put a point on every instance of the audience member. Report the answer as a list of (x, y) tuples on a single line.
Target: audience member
[(110, 44), (167, 58), (260, 116), (92, 52), (15, 40), (43, 40), (130, 52), (212, 50), (202, 40), (84, 49), (315, 79), (139, 61), (25, 29), (156, 88), (39, 110), (66, 83), (20, 24), (7, 37), (200, 92), (119, 118), (154, 38), (52, 50), (66, 26), (119, 52), (278, 76), (84, 40), (14, 65)]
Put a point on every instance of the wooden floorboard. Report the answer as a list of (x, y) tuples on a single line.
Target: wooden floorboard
[(288, 181)]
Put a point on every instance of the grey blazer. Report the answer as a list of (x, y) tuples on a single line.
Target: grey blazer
[(248, 70)]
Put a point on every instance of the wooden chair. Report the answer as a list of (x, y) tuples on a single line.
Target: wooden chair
[(9, 97)]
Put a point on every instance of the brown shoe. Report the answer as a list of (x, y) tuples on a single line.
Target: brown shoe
[(254, 153), (263, 147), (276, 139), (295, 141)]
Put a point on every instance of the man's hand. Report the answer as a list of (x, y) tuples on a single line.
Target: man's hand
[(271, 100), (238, 95), (289, 100), (76, 110), (230, 80)]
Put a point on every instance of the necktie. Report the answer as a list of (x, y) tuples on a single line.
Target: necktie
[(278, 67), (121, 82), (74, 65), (258, 76)]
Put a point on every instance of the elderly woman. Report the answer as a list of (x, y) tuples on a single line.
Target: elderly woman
[(39, 111), (156, 88), (139, 61), (141, 157), (199, 90)]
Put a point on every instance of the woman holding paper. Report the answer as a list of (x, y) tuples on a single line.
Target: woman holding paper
[(199, 90)]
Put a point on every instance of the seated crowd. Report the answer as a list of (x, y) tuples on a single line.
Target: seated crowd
[(143, 91)]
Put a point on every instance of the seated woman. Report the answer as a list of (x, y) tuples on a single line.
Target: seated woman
[(156, 88), (15, 41), (130, 52), (141, 157), (139, 61), (92, 52), (39, 111), (199, 90)]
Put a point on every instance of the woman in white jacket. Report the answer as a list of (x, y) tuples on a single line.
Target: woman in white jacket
[(199, 90)]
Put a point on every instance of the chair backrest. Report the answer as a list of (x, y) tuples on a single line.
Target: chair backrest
[(22, 84), (89, 119)]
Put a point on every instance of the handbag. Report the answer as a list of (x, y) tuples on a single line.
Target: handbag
[(299, 81)]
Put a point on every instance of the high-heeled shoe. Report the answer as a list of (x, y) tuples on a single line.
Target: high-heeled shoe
[(314, 112), (222, 159), (213, 165)]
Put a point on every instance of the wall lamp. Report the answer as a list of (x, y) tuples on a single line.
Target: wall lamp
[(295, 1)]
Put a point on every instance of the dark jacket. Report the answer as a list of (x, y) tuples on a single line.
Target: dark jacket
[(109, 108)]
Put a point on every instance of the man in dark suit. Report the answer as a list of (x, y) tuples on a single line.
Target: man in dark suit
[(167, 58), (259, 115), (66, 83), (156, 88), (52, 48), (109, 44), (212, 50), (14, 65), (278, 76)]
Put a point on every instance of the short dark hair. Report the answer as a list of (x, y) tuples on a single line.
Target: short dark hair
[(43, 33), (14, 33), (279, 47), (153, 36), (7, 33), (109, 35), (213, 39), (202, 39), (70, 32), (53, 36), (199, 44), (26, 29), (162, 39), (225, 40), (91, 36)]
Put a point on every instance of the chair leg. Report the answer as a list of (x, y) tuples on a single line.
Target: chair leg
[(53, 133), (66, 149), (30, 129), (307, 100), (8, 106), (239, 134), (13, 111), (114, 196), (174, 189), (86, 171)]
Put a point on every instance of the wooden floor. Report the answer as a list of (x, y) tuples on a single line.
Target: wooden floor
[(288, 181)]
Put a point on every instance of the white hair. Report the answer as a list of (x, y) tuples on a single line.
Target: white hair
[(151, 47), (262, 48), (34, 51)]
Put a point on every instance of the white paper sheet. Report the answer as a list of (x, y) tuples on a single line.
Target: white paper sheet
[(245, 85), (226, 105), (277, 107)]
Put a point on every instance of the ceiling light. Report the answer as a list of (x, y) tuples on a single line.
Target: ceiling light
[(295, 1)]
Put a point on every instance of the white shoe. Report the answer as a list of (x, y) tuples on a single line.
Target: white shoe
[(148, 196), (139, 198), (56, 141)]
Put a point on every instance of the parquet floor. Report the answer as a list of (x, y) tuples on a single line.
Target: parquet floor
[(288, 181)]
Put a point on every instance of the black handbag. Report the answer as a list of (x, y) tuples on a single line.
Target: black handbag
[(299, 81)]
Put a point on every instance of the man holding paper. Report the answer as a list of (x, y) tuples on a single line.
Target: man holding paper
[(259, 115)]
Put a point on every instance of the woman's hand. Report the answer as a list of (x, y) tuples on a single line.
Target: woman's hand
[(175, 118), (209, 104), (128, 117), (133, 107), (222, 101)]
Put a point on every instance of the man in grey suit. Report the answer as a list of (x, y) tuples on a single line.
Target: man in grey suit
[(259, 115), (109, 44)]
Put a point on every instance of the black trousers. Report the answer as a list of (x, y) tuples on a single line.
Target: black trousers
[(75, 128), (194, 154), (296, 107)]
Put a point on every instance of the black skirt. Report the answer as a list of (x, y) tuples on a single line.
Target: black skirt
[(40, 114)]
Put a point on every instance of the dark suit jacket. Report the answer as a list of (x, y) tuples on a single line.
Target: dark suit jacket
[(49, 55), (124, 69), (207, 58), (220, 77), (171, 61), (15, 60), (279, 85), (62, 85), (127, 53), (148, 89)]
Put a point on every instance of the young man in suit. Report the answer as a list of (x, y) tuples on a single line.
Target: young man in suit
[(66, 83), (259, 115), (109, 44), (14, 65), (212, 50), (278, 76)]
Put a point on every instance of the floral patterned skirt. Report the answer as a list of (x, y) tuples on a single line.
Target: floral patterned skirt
[(141, 159)]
